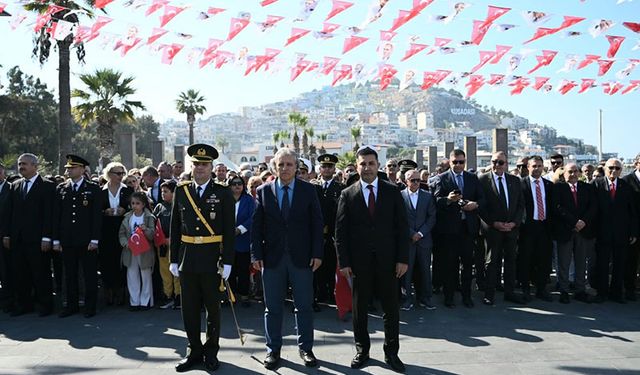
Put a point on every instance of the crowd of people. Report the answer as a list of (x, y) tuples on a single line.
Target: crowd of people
[(357, 237)]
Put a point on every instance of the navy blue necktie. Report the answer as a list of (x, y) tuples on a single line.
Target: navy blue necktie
[(460, 182), (285, 203), (25, 190)]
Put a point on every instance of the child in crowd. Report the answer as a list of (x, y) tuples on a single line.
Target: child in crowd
[(162, 212)]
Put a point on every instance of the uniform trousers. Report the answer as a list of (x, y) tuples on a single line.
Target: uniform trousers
[(201, 289), (239, 279), (139, 283), (325, 276), (73, 257)]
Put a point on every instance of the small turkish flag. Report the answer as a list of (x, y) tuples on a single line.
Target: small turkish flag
[(614, 44), (541, 32), (156, 34), (485, 57), (494, 12), (352, 42), (540, 81), (605, 65), (138, 242), (414, 48), (169, 51), (169, 13), (300, 67), (586, 84), (632, 87), (155, 5), (296, 34), (344, 302), (338, 7), (479, 31), (159, 238), (329, 27), (474, 84), (635, 27), (588, 60), (329, 64), (237, 25)]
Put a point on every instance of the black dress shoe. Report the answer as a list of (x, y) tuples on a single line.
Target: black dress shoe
[(545, 296), (512, 297), (308, 358), (89, 313), (394, 362), (564, 297), (68, 312), (272, 360), (631, 296), (316, 307), (211, 364), (359, 360), (467, 302), (583, 297), (488, 301), (187, 363)]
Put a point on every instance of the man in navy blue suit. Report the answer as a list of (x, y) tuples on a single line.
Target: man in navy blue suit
[(286, 245)]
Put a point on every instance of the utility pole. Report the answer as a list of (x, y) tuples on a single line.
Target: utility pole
[(600, 146)]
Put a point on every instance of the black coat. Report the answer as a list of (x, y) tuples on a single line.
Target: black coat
[(495, 209), (358, 234), (77, 216), (4, 202), (449, 218), (329, 204), (30, 217), (567, 214), (633, 181), (529, 202), (618, 220)]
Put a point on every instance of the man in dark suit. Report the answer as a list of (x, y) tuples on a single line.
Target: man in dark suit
[(574, 230), (328, 190), (6, 292), (373, 248), (421, 216), (77, 222), (459, 198), (286, 245), (27, 234), (534, 253), (152, 181), (618, 228), (202, 233), (501, 219), (631, 269)]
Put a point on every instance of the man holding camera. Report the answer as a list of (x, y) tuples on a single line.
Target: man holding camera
[(459, 197)]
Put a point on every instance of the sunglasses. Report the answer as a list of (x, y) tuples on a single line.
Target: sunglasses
[(458, 162), (498, 162), (118, 173), (392, 165), (236, 183), (556, 162), (520, 165), (414, 180), (614, 168)]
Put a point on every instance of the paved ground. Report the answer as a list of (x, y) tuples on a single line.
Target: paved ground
[(543, 338)]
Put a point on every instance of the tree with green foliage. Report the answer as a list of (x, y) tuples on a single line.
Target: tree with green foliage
[(356, 133), (297, 120), (107, 102), (190, 104)]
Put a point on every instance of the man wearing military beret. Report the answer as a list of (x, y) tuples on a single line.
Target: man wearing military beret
[(405, 166), (202, 232), (328, 192), (77, 222)]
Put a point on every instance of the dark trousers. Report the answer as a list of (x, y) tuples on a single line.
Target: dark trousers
[(6, 278), (56, 265), (325, 277), (438, 264), (576, 248), (418, 274), (156, 280), (501, 245), (198, 289), (32, 272), (616, 255), (373, 276), (73, 257), (631, 268), (459, 249), (534, 256), (239, 278), (479, 260)]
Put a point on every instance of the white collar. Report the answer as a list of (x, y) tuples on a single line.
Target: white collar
[(32, 179), (79, 183), (374, 183), (614, 182), (412, 193), (106, 186), (203, 186)]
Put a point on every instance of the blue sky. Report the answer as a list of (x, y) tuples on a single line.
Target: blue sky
[(226, 89)]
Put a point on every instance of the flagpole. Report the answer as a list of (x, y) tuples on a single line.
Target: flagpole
[(600, 147)]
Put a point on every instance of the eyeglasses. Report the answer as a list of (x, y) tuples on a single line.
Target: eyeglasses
[(614, 168), (556, 162), (236, 183), (498, 162), (392, 165), (118, 173), (414, 180), (458, 162), (519, 165)]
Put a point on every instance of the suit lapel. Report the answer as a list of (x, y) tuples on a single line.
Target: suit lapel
[(359, 199)]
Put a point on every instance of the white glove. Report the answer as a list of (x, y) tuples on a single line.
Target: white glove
[(226, 272), (173, 268)]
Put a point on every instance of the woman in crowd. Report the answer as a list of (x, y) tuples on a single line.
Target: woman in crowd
[(253, 184), (132, 181), (162, 212), (245, 205), (139, 266), (115, 200)]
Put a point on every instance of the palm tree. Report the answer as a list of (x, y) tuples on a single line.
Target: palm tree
[(276, 138), (323, 138), (42, 49), (221, 142), (297, 120), (189, 104), (284, 134), (106, 102), (356, 132)]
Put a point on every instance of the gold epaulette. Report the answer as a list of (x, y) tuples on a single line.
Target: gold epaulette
[(182, 183), (220, 183)]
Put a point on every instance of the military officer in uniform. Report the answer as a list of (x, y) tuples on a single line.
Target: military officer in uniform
[(328, 192), (202, 232), (405, 166), (77, 223)]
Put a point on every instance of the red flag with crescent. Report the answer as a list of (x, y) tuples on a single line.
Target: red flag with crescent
[(588, 60), (296, 34), (169, 51), (633, 26), (170, 12), (213, 11), (344, 303), (337, 8), (329, 27), (329, 64), (570, 21), (476, 81), (159, 238), (519, 85), (500, 52), (485, 57), (494, 12), (586, 84), (386, 36), (300, 67), (414, 48), (344, 72), (237, 25), (543, 60), (352, 42), (156, 34), (605, 65), (566, 86), (541, 32), (155, 5), (479, 31), (138, 242), (634, 84), (614, 44), (540, 81), (496, 79), (102, 3)]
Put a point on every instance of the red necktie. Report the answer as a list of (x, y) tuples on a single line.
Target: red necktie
[(574, 192), (371, 201), (539, 201), (612, 191)]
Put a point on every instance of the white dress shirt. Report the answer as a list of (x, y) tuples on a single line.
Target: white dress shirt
[(532, 181), (114, 200), (637, 173), (365, 190), (414, 198), (504, 184), (614, 183), (32, 180), (203, 186)]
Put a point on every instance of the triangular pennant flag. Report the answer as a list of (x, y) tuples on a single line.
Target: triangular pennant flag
[(429, 80), (485, 57), (570, 21), (587, 83), (343, 73), (170, 12), (329, 64), (479, 31), (207, 59), (541, 32), (41, 21), (313, 66), (61, 30), (237, 25), (53, 9), (626, 72), (386, 73), (611, 88), (519, 85), (588, 60), (494, 13), (102, 3), (223, 57), (441, 75), (414, 48), (352, 42), (496, 79), (614, 44), (474, 84), (565, 86), (169, 51), (500, 52), (419, 5), (540, 81), (543, 60), (264, 3), (329, 27), (296, 34), (633, 26), (386, 36), (213, 46), (404, 16), (155, 5), (301, 66), (156, 34), (632, 87), (213, 11), (83, 33), (101, 22), (338, 7), (605, 65), (126, 46)]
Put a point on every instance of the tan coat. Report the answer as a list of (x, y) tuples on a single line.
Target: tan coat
[(147, 258)]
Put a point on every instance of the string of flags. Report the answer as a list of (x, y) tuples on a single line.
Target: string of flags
[(56, 21)]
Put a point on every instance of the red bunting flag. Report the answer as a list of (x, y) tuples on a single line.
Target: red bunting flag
[(540, 81), (223, 57), (587, 83), (485, 57), (296, 34), (126, 46), (588, 60), (213, 46), (543, 60), (386, 73), (614, 44), (159, 238), (53, 9), (605, 65), (102, 3), (213, 11), (170, 12), (2, 6), (404, 16), (169, 51), (338, 7), (207, 59), (479, 31), (414, 48), (496, 79), (101, 22), (352, 42), (156, 34), (494, 13), (633, 26), (565, 86), (474, 84), (83, 34), (41, 21), (300, 67), (329, 64), (264, 3), (155, 5), (634, 84), (386, 36), (519, 85), (541, 32), (569, 21), (313, 66), (138, 242), (329, 27), (430, 79), (237, 25), (344, 303), (500, 52), (611, 88), (441, 75), (344, 72)]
